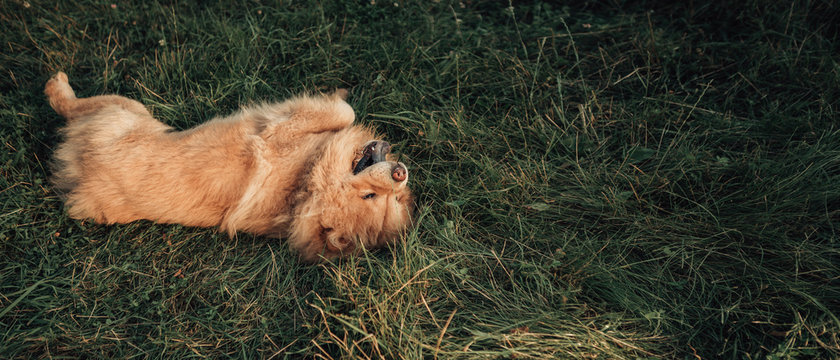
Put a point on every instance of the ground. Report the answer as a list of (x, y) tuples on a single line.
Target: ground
[(640, 179)]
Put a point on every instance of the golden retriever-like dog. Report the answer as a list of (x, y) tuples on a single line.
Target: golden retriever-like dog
[(298, 169)]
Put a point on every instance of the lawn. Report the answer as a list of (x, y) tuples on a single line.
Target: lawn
[(603, 179)]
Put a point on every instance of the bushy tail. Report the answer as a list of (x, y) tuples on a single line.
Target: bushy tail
[(60, 94)]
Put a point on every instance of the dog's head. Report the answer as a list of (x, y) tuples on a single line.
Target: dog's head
[(358, 197)]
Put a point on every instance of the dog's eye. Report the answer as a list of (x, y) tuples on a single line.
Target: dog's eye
[(369, 196)]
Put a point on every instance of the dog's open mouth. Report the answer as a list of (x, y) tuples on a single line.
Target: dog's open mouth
[(373, 152)]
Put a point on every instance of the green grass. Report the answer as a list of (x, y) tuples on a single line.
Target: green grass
[(608, 180)]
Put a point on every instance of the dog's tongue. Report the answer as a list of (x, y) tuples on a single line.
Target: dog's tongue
[(373, 153)]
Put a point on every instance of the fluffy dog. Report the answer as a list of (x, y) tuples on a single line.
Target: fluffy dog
[(298, 169)]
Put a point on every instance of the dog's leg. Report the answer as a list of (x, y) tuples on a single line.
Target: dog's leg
[(320, 114), (60, 93), (64, 101), (311, 115)]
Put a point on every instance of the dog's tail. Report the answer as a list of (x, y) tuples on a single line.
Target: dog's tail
[(60, 94)]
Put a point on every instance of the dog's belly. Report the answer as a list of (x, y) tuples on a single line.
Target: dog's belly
[(128, 168)]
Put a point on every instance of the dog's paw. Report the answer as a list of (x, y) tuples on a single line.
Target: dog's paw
[(60, 77), (58, 86), (342, 93)]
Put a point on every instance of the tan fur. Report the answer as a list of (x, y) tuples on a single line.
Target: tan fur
[(283, 170)]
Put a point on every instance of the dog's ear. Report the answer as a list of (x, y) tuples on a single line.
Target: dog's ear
[(340, 244)]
